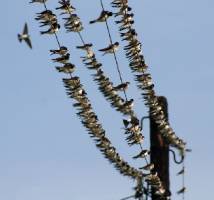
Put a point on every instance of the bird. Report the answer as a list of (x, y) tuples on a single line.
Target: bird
[(61, 51), (25, 36), (142, 154), (122, 86), (85, 46), (66, 6), (148, 167), (38, 1), (110, 49), (67, 68), (182, 190), (181, 171), (53, 29), (103, 17), (46, 15), (63, 59)]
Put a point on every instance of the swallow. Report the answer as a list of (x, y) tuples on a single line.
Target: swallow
[(103, 17), (85, 46), (45, 15), (136, 138), (90, 55), (66, 6), (126, 19), (124, 9), (67, 68), (72, 20), (142, 154), (53, 29), (148, 167), (129, 103), (75, 25), (182, 190), (126, 25), (25, 36), (61, 51), (181, 172), (63, 59), (119, 3), (122, 86), (38, 1), (111, 48), (48, 22)]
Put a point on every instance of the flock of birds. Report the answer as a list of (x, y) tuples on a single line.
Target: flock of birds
[(75, 90)]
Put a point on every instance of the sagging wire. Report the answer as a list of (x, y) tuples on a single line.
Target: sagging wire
[(105, 86), (114, 53), (182, 172), (89, 119), (75, 25), (56, 36), (144, 81), (148, 166)]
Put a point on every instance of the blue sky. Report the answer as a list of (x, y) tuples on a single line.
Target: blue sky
[(46, 154)]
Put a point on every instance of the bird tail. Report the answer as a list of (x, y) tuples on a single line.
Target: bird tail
[(19, 38), (42, 32), (52, 52), (92, 22), (79, 47), (59, 69)]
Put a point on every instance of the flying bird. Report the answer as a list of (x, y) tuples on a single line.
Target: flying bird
[(25, 36)]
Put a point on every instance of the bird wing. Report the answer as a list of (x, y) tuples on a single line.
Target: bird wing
[(28, 41), (25, 31)]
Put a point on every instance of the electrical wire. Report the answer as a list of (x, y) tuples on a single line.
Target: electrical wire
[(114, 53)]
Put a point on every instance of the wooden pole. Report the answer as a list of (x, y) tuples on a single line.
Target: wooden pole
[(160, 152)]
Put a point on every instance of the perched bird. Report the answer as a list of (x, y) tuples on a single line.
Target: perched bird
[(129, 103), (63, 59), (38, 1), (111, 48), (66, 6), (124, 9), (67, 68), (148, 167), (142, 154), (53, 29), (103, 17), (122, 86), (25, 36), (85, 46), (46, 15), (181, 172), (61, 51), (181, 191)]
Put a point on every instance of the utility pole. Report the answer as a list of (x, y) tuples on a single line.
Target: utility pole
[(160, 152)]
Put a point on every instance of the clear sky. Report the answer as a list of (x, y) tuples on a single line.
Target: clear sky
[(46, 154)]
